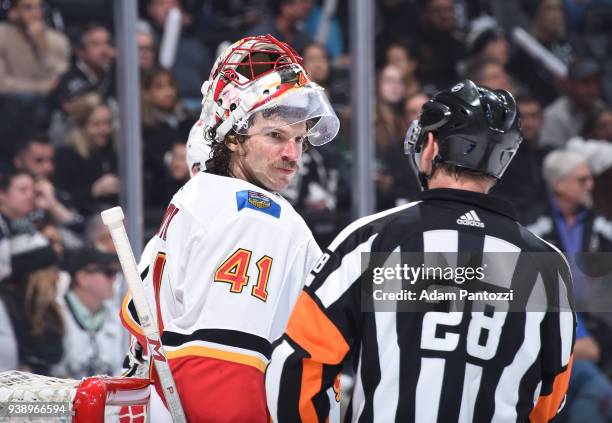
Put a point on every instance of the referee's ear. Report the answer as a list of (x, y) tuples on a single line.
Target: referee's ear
[(430, 150)]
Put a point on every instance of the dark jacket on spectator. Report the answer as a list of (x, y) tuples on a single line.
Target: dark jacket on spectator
[(76, 175), (77, 79)]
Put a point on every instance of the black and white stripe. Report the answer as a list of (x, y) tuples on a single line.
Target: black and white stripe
[(404, 371)]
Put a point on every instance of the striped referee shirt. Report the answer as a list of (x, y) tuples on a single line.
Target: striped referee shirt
[(428, 366)]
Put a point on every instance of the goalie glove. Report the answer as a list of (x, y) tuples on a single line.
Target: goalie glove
[(136, 362)]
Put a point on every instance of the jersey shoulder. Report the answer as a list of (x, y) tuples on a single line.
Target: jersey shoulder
[(214, 200)]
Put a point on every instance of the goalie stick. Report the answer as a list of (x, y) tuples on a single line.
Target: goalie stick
[(113, 219)]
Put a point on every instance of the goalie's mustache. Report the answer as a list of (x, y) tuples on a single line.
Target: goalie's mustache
[(288, 165)]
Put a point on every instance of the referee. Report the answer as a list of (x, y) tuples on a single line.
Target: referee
[(483, 363)]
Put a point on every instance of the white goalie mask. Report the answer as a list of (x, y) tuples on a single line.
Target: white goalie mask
[(262, 74)]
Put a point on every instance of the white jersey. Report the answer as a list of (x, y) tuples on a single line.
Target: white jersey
[(228, 263)]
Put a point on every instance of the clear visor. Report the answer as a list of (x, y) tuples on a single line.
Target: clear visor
[(302, 104)]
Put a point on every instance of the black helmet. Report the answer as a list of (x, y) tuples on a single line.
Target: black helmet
[(477, 128)]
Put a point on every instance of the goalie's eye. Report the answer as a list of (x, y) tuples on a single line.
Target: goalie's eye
[(274, 134)]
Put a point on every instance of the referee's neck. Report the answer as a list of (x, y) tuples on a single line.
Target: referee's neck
[(442, 180)]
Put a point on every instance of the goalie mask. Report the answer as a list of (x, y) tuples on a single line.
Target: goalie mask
[(262, 74)]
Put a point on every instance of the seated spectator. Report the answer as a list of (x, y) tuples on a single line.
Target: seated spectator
[(487, 41), (564, 118), (32, 56), (192, 62), (282, 22), (98, 236), (571, 223), (29, 298), (175, 176), (163, 121), (413, 104), (440, 46), (391, 165), (36, 155), (595, 140), (547, 26), (93, 341), (320, 70), (402, 55), (490, 74), (523, 184), (93, 64), (147, 47), (87, 166), (16, 200), (317, 64), (63, 99)]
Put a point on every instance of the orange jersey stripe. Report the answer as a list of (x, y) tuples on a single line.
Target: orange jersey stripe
[(312, 378), (126, 318), (308, 324), (547, 406)]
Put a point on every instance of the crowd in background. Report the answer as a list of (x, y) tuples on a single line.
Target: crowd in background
[(58, 145)]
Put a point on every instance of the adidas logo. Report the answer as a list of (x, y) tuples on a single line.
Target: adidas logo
[(470, 219)]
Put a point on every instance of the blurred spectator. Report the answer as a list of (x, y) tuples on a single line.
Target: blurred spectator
[(87, 166), (490, 74), (92, 67), (439, 46), (564, 118), (317, 64), (571, 223), (63, 100), (402, 56), (16, 200), (29, 297), (175, 176), (32, 56), (282, 22), (320, 70), (334, 42), (589, 397), (598, 125), (192, 62), (412, 106), (147, 48), (97, 235), (93, 343), (35, 155), (487, 41), (391, 164), (163, 121), (595, 142), (396, 20), (547, 25), (523, 184)]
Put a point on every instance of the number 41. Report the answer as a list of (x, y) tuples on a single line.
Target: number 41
[(234, 271)]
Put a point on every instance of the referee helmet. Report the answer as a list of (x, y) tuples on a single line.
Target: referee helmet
[(476, 129)]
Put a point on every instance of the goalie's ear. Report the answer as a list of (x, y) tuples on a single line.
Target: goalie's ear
[(231, 141)]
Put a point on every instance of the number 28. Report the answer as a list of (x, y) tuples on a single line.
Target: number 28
[(234, 272)]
